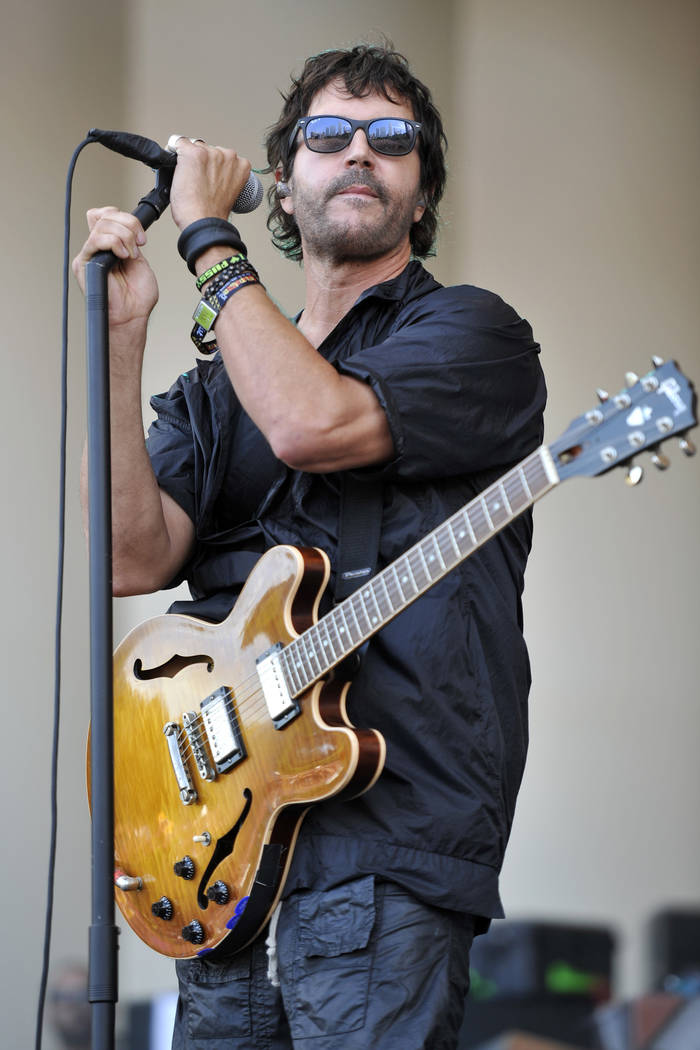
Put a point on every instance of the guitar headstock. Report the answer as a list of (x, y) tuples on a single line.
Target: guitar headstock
[(643, 415)]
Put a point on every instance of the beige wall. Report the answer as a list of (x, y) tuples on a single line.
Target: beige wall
[(579, 168), (574, 163)]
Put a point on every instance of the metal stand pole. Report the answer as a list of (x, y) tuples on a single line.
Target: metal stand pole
[(102, 986)]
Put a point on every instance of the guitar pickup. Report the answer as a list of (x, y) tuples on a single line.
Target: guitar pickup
[(222, 729), (281, 705)]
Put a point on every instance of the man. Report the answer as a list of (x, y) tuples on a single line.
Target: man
[(385, 375)]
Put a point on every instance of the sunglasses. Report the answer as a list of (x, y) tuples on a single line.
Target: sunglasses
[(392, 136)]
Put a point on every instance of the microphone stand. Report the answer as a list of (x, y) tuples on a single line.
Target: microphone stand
[(103, 940)]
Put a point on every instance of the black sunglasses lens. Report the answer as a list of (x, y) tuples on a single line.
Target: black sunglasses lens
[(327, 134), (394, 137), (330, 134)]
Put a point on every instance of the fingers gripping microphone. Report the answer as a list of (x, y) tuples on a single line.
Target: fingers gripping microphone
[(149, 152)]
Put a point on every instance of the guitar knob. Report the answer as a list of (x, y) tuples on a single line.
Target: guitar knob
[(634, 474), (660, 461), (631, 378), (193, 932), (218, 893), (687, 446), (603, 395), (184, 869), (163, 909)]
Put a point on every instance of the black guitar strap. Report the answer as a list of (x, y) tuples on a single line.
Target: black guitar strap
[(359, 526)]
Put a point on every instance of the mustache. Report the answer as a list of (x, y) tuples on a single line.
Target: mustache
[(355, 178)]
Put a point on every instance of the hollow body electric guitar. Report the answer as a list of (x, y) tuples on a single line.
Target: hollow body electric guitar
[(226, 734)]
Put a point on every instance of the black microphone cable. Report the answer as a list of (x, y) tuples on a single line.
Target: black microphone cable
[(58, 625)]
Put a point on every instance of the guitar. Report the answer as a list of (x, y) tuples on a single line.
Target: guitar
[(226, 734)]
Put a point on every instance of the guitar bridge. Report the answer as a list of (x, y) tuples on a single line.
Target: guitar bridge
[(188, 794), (193, 728)]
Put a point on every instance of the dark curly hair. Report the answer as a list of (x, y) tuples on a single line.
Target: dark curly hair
[(363, 69)]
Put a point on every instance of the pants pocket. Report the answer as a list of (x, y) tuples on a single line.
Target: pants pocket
[(325, 962), (214, 1003)]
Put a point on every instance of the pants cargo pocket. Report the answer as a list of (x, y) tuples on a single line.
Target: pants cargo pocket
[(325, 967), (214, 1003)]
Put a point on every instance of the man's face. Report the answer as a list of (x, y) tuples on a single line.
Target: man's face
[(355, 204)]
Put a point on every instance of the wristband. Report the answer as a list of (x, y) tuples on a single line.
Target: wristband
[(211, 305), (235, 270), (196, 238), (225, 264)]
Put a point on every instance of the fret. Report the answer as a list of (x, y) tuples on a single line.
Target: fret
[(509, 509), (390, 600), (485, 509), (290, 670), (453, 541), (407, 562), (524, 481), (479, 525), (428, 573), (518, 496), (463, 516), (308, 642), (354, 599), (494, 503), (298, 664), (346, 628), (418, 571), (433, 537), (327, 641), (398, 582), (534, 469), (342, 648), (368, 592)]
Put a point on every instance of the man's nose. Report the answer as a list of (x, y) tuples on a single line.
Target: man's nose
[(359, 151)]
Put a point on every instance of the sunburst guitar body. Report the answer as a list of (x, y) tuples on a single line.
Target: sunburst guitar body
[(215, 766)]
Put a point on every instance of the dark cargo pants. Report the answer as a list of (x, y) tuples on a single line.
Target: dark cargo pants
[(364, 966)]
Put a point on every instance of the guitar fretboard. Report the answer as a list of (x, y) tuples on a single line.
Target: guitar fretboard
[(368, 609)]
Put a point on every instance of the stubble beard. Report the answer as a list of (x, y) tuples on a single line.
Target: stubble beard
[(337, 241)]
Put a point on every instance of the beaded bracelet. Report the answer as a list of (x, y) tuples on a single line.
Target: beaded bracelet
[(199, 236), (225, 264)]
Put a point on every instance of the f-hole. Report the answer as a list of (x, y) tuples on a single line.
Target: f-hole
[(171, 667), (223, 848)]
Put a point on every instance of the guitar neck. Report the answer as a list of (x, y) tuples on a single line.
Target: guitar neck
[(353, 621)]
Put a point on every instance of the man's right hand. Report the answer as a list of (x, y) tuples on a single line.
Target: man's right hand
[(133, 289)]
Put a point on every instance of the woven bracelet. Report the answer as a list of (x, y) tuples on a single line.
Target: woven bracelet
[(222, 278), (218, 268), (199, 236)]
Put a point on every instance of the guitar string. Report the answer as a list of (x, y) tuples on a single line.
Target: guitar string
[(253, 702)]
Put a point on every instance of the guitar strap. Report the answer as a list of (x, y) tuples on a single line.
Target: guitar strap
[(359, 525)]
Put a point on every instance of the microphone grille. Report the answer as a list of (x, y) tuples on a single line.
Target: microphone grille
[(250, 196)]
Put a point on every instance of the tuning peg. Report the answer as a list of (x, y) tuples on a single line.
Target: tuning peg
[(634, 474), (631, 378), (603, 395), (660, 461), (687, 446), (657, 361)]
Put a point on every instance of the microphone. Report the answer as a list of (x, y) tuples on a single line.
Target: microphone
[(150, 153)]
